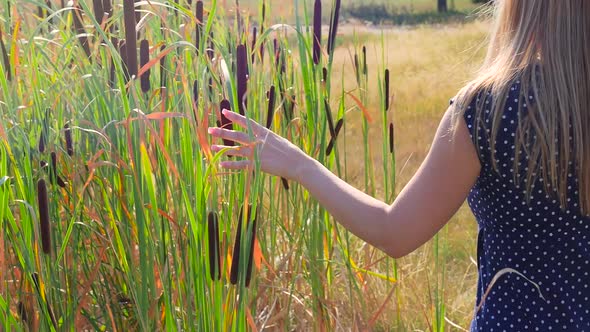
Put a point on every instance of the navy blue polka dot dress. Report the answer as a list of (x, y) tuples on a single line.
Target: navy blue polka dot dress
[(538, 253)]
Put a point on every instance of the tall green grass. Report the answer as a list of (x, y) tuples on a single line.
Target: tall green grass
[(129, 245)]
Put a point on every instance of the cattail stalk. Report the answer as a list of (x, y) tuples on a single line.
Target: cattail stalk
[(391, 146), (199, 25), (214, 250), (271, 106), (98, 10), (242, 76), (225, 122), (77, 15), (333, 27), (44, 216), (7, 68), (253, 48), (130, 36), (144, 58), (317, 31), (333, 139), (386, 95), (69, 143)]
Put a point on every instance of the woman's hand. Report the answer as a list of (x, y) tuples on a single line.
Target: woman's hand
[(277, 155)]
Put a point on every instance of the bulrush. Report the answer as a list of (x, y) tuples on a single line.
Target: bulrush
[(42, 141), (130, 36), (54, 176), (271, 106), (225, 122), (98, 10), (163, 67), (357, 69), (285, 183), (5, 58), (333, 139), (333, 27), (324, 74), (329, 117), (195, 93), (144, 58), (365, 70), (115, 42), (77, 15), (253, 48), (233, 274), (391, 138), (214, 250), (252, 239), (199, 25), (317, 31), (262, 31), (242, 76), (123, 54), (386, 94), (44, 216), (68, 137)]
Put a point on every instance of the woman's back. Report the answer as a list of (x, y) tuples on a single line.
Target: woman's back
[(533, 256)]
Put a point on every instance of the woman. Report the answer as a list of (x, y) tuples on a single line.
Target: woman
[(516, 143)]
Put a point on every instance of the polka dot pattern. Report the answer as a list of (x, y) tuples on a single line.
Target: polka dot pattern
[(548, 246)]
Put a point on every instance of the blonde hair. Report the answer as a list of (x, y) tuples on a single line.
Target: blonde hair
[(546, 45)]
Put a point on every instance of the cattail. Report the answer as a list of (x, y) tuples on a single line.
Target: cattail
[(233, 275), (43, 164), (357, 69), (22, 312), (42, 141), (54, 176), (195, 93), (365, 70), (391, 138), (115, 42), (211, 48), (163, 67), (271, 106), (80, 30), (130, 36), (107, 7), (324, 74), (333, 27), (225, 122), (199, 25), (329, 117), (251, 251), (144, 58), (98, 10), (285, 183), (137, 15), (386, 96), (262, 31), (123, 54), (5, 58), (214, 250), (68, 136), (242, 76), (317, 31), (253, 48), (44, 215), (333, 139)]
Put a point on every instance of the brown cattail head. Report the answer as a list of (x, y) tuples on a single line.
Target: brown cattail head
[(195, 93), (233, 275), (357, 69), (285, 183), (144, 58), (214, 250), (317, 31), (242, 76), (199, 25), (43, 202), (107, 7), (333, 139), (77, 17), (333, 27), (211, 48), (130, 36), (225, 122), (53, 174), (5, 58), (42, 141), (391, 146), (252, 239), (386, 93), (98, 10), (329, 117), (324, 74), (163, 67), (68, 136), (115, 42), (365, 71), (253, 48), (271, 106), (262, 31)]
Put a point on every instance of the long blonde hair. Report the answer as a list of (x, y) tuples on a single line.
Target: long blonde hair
[(546, 45)]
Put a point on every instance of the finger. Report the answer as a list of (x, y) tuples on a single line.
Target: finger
[(241, 164), (231, 135), (238, 151), (241, 120)]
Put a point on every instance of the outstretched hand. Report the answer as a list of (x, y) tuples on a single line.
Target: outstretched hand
[(276, 154)]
